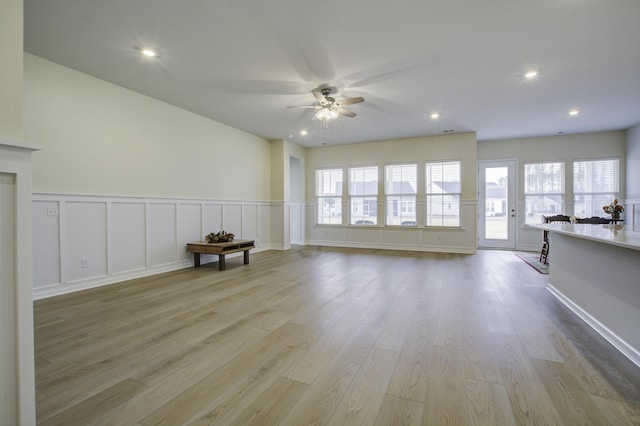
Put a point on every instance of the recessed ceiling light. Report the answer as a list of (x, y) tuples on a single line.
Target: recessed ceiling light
[(531, 74), (574, 112), (148, 52), (435, 116), (303, 132)]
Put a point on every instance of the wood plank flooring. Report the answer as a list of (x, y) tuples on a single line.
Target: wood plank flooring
[(329, 336)]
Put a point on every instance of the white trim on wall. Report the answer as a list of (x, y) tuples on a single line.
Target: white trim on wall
[(619, 343), (124, 249), (430, 239)]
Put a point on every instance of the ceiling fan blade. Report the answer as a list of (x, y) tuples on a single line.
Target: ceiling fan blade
[(351, 101), (346, 112), (319, 97), (306, 106)]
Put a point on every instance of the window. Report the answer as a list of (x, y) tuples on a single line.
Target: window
[(329, 196), (443, 193), (595, 184), (543, 190), (400, 191), (363, 193)]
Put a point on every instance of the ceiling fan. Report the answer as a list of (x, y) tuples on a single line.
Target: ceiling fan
[(329, 108)]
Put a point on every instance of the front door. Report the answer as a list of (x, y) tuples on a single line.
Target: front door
[(497, 204)]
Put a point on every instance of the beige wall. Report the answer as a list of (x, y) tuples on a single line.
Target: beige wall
[(565, 148), (99, 138), (434, 148), (460, 147), (11, 71)]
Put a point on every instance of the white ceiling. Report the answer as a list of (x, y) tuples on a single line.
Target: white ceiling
[(242, 62)]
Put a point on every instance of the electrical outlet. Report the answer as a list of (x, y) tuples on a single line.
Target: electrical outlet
[(52, 211), (85, 263)]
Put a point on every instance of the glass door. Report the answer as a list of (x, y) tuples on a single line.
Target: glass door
[(497, 204)]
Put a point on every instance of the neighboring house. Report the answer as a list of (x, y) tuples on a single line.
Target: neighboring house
[(450, 205), (496, 199)]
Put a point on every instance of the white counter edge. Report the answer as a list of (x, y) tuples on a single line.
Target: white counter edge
[(617, 235)]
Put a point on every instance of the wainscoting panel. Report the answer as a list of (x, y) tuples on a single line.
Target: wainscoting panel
[(297, 223), (128, 241), (162, 234), (81, 242), (461, 239), (212, 220), (264, 225), (189, 228), (249, 222), (46, 242), (232, 219)]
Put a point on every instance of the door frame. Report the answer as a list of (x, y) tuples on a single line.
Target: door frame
[(512, 204)]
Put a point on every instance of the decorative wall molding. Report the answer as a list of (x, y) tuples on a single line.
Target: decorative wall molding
[(86, 241), (627, 350), (461, 239)]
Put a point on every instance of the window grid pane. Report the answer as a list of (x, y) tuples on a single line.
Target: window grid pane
[(443, 189), (400, 191), (363, 192), (329, 196), (544, 190), (595, 184)]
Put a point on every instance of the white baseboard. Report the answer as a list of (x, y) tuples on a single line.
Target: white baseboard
[(99, 281), (102, 280), (436, 249), (627, 350)]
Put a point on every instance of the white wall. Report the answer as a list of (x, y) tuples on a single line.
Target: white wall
[(450, 147), (17, 378), (101, 139), (8, 324), (17, 381), (565, 148), (632, 201), (125, 181)]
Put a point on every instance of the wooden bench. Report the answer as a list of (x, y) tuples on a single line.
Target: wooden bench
[(221, 249)]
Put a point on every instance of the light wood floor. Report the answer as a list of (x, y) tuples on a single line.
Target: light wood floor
[(329, 336)]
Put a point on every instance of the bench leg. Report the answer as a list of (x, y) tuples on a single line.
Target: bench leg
[(221, 263), (246, 257), (196, 260)]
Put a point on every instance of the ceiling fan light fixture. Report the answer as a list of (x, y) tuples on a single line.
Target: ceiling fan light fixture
[(326, 115)]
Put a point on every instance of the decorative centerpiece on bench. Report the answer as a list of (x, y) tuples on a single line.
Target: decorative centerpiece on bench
[(614, 209), (221, 243), (220, 237)]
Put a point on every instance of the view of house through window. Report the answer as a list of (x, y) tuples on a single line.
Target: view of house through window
[(329, 196), (595, 184), (400, 192), (363, 193), (443, 194), (543, 190)]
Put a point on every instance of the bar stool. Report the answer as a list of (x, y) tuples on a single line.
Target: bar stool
[(560, 218)]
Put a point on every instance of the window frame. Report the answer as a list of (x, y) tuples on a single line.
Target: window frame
[(561, 193), (428, 195), (400, 197), (611, 195), (365, 197), (320, 199)]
